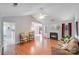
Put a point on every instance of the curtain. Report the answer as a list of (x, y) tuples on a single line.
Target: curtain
[(63, 30), (70, 29)]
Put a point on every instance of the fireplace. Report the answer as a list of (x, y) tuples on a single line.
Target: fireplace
[(53, 35)]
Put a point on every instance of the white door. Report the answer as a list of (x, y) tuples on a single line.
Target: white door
[(8, 35)]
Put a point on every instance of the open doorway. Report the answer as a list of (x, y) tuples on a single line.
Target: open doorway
[(37, 28)]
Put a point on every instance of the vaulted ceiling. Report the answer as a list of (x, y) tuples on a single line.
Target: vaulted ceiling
[(55, 11)]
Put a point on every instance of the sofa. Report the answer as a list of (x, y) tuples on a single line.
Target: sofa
[(71, 46)]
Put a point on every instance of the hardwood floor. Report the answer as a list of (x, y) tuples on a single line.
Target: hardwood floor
[(32, 48)]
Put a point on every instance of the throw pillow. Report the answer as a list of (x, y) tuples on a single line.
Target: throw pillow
[(73, 46)]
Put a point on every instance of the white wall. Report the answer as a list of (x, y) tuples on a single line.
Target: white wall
[(51, 28), (23, 24)]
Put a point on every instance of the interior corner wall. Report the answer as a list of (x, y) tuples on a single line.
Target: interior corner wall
[(22, 24)]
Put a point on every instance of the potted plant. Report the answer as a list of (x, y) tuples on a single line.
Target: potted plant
[(66, 37)]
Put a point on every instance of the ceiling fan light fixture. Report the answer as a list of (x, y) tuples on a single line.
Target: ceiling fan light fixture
[(41, 17), (15, 4)]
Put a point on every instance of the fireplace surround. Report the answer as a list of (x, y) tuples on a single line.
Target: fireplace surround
[(53, 35)]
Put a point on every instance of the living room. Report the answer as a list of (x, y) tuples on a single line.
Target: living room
[(38, 26)]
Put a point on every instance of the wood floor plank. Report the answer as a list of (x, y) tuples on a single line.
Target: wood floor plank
[(31, 48)]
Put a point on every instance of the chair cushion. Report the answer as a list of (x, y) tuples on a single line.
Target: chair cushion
[(73, 46)]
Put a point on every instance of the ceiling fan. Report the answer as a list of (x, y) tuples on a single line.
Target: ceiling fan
[(42, 13), (15, 4)]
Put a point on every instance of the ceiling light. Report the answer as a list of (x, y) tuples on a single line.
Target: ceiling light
[(15, 4), (42, 16), (42, 13)]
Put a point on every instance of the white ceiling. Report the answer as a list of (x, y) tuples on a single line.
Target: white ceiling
[(55, 11), (7, 9)]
